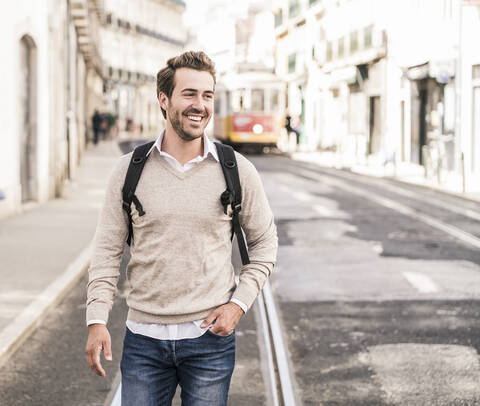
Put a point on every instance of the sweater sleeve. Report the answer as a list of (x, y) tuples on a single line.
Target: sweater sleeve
[(256, 219), (109, 242)]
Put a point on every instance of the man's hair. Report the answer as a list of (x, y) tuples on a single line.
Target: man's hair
[(192, 60)]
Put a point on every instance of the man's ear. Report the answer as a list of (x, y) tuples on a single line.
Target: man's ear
[(163, 100)]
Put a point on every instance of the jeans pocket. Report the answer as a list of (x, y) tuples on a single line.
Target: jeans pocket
[(220, 336)]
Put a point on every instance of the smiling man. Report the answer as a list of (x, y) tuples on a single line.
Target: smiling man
[(184, 303)]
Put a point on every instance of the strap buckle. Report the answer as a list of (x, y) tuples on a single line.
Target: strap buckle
[(237, 208), (126, 206)]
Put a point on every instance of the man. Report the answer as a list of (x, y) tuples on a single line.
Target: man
[(184, 303), (290, 129), (96, 122)]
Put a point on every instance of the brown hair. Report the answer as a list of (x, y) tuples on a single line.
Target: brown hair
[(191, 59)]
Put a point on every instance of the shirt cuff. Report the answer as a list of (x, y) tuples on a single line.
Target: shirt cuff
[(96, 322), (242, 305)]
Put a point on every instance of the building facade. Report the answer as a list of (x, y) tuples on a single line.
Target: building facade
[(51, 53), (136, 41), (66, 59), (377, 80)]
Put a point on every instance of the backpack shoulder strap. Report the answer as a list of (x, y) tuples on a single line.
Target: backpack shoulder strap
[(135, 168), (233, 194)]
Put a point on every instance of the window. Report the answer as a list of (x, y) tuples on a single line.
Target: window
[(476, 72), (278, 18), (292, 62), (274, 100), (341, 47), (238, 100), (367, 37), (329, 51), (258, 101), (449, 108), (353, 42), (293, 8)]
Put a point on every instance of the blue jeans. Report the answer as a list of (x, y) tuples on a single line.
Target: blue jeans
[(152, 369)]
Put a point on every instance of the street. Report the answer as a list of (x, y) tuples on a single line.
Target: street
[(377, 307)]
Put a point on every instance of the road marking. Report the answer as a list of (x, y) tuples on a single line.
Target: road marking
[(117, 399), (407, 193), (400, 208), (306, 197), (323, 211), (421, 282), (299, 195), (303, 197)]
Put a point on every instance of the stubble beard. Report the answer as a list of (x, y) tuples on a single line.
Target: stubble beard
[(176, 121)]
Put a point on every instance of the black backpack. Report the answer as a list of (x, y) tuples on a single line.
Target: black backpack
[(232, 196)]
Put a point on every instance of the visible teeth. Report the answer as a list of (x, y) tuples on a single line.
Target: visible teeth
[(195, 118)]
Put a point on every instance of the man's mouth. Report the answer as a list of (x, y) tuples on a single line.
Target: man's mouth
[(194, 117)]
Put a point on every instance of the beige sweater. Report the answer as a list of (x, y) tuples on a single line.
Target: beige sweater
[(180, 269)]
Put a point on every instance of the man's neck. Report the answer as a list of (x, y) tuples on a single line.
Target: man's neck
[(182, 151)]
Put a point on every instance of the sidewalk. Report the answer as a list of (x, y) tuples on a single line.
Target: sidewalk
[(45, 250), (403, 172)]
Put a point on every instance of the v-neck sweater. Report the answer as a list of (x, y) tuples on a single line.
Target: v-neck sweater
[(180, 267)]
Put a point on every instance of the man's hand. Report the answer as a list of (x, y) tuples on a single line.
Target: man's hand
[(225, 317), (98, 339)]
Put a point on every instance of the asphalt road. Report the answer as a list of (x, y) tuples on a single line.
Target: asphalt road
[(377, 307)]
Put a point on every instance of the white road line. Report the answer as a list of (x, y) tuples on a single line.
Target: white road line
[(303, 197), (117, 399), (412, 195), (407, 211), (421, 282), (323, 211)]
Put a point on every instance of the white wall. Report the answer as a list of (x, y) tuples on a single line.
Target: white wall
[(24, 17)]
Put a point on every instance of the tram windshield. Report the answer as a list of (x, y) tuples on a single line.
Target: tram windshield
[(258, 100), (238, 100)]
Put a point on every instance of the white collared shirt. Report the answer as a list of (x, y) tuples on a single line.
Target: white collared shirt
[(189, 329)]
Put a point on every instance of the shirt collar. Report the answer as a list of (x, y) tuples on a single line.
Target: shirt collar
[(208, 146)]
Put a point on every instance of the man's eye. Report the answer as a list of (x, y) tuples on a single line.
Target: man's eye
[(209, 96)]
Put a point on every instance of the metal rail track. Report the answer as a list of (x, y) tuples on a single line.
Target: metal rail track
[(279, 372)]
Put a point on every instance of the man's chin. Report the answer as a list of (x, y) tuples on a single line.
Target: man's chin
[(191, 135)]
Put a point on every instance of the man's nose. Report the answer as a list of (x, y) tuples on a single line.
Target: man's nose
[(198, 104)]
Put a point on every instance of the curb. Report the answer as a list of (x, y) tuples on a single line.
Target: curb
[(31, 317)]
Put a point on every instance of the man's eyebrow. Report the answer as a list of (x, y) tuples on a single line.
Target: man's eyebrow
[(196, 90)]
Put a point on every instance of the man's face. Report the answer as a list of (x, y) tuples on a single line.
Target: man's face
[(190, 107)]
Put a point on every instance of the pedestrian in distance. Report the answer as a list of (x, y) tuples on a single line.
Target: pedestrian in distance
[(290, 128), (96, 124), (184, 303)]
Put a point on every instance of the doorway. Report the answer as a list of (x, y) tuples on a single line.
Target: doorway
[(375, 141), (476, 131), (28, 119)]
